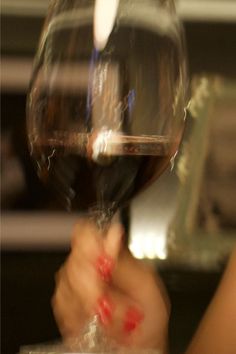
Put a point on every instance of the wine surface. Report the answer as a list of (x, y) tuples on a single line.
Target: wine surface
[(85, 170)]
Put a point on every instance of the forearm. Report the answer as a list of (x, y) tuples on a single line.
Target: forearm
[(216, 333)]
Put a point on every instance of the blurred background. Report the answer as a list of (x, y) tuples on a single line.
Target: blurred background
[(184, 224)]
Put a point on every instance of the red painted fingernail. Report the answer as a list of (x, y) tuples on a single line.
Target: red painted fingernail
[(105, 267), (105, 310), (133, 318)]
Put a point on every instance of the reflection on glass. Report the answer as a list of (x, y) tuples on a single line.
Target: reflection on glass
[(108, 115)]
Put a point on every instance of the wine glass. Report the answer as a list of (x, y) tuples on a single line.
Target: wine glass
[(106, 104)]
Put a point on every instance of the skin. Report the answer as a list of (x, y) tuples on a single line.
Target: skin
[(216, 333), (134, 285), (79, 287)]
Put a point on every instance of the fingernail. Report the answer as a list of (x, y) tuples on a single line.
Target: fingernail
[(104, 266), (133, 317), (105, 309)]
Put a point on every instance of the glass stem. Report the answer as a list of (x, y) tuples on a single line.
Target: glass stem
[(103, 217)]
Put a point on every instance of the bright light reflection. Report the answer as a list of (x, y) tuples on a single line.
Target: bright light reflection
[(136, 249), (149, 246), (104, 20)]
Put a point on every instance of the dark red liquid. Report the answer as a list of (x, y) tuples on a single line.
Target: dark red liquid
[(82, 183)]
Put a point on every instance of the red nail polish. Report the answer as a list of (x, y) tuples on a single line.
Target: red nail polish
[(105, 267), (133, 318), (105, 310)]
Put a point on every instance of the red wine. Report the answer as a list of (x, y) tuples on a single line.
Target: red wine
[(87, 170)]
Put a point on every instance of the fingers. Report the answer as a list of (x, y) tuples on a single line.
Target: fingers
[(121, 316), (86, 241), (68, 311), (77, 291), (132, 274), (82, 281), (144, 287), (101, 277)]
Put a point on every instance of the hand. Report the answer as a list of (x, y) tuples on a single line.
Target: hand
[(101, 276)]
